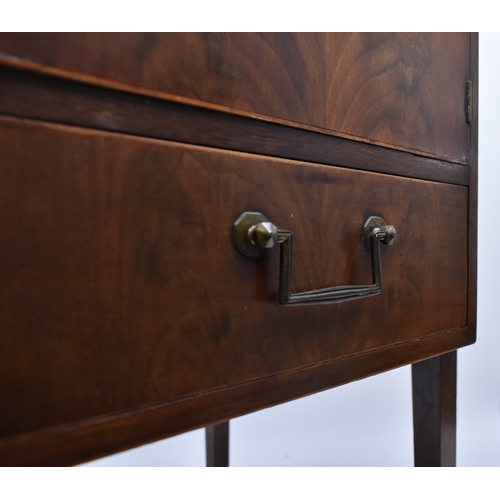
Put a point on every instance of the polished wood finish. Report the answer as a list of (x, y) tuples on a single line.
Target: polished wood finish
[(434, 384), (217, 445), (40, 97), (402, 90), (93, 438), (127, 314), (143, 256), (473, 186)]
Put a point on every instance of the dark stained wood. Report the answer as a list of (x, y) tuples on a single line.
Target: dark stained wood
[(121, 288), (94, 438), (403, 90), (217, 444), (473, 191), (126, 314), (26, 95), (434, 383)]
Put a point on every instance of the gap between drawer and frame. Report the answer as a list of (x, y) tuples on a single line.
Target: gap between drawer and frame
[(24, 94)]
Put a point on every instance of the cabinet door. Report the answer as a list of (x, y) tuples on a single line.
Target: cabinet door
[(122, 290), (402, 90)]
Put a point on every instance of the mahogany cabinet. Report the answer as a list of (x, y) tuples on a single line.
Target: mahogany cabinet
[(138, 299)]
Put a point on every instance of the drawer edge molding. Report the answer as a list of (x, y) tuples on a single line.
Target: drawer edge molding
[(54, 99), (98, 437)]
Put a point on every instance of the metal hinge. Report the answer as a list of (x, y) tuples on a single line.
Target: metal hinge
[(468, 108)]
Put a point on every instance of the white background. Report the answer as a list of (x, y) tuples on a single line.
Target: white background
[(369, 423)]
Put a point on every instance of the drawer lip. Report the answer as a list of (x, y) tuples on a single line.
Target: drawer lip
[(97, 437), (52, 98)]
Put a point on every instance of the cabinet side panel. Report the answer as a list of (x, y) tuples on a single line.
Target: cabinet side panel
[(473, 191)]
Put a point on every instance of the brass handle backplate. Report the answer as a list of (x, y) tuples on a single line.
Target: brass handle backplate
[(253, 234)]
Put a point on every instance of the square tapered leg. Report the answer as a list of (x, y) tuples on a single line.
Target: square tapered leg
[(434, 384), (217, 445)]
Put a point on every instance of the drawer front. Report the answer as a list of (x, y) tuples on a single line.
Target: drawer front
[(121, 287), (403, 90)]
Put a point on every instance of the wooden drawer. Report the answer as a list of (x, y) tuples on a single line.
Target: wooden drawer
[(122, 290)]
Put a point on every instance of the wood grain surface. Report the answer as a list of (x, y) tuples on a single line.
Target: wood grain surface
[(48, 98), (121, 288), (402, 90), (96, 437)]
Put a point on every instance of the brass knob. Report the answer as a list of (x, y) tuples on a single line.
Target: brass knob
[(388, 236), (264, 234), (254, 234), (386, 233)]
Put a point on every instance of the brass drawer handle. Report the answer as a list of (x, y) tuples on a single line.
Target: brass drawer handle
[(253, 234)]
